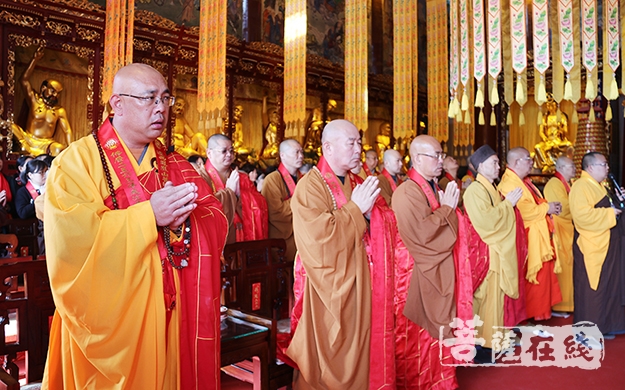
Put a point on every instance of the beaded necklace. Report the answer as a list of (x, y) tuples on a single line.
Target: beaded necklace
[(166, 230)]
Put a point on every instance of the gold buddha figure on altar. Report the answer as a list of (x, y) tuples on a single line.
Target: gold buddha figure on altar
[(45, 115), (383, 139), (315, 127), (553, 144), (271, 122), (185, 140), (237, 131)]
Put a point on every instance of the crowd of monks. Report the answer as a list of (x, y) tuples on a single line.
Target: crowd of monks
[(386, 264)]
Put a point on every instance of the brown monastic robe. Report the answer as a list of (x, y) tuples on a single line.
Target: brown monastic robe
[(331, 342), (430, 238), (278, 199), (386, 191)]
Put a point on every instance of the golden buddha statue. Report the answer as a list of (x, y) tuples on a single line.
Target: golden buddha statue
[(184, 139), (237, 131), (271, 121), (44, 115), (553, 142), (315, 127), (383, 139)]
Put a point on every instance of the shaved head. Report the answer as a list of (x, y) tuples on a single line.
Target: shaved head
[(288, 144), (566, 167), (341, 146), (371, 153), (392, 161), (216, 139), (427, 156), (515, 154)]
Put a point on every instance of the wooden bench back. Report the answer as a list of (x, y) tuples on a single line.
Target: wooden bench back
[(33, 307)]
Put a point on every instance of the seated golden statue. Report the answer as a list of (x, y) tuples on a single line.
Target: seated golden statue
[(271, 121), (315, 126), (184, 139), (44, 115), (554, 142), (383, 139), (237, 132)]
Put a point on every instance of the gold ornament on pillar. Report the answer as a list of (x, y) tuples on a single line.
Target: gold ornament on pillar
[(437, 36), (118, 42), (356, 64), (295, 68), (404, 65), (211, 90)]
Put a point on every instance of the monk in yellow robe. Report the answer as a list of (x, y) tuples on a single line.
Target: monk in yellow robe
[(331, 340), (136, 306), (542, 289), (495, 222), (557, 190), (597, 249), (389, 177), (278, 188)]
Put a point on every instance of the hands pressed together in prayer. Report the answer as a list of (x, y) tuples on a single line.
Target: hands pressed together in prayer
[(233, 182), (450, 196), (172, 205), (554, 208), (514, 196), (364, 194)]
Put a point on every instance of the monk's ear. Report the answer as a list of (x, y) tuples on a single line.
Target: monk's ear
[(116, 103)]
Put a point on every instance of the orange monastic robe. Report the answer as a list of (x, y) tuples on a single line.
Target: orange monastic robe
[(541, 289), (115, 325), (331, 341), (557, 190), (388, 185)]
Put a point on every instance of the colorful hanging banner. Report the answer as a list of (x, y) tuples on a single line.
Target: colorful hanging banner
[(453, 59), (295, 23), (518, 35), (437, 35), (565, 15), (589, 45), (464, 51), (611, 28), (118, 39), (356, 65), (494, 51), (540, 28), (479, 48), (404, 30)]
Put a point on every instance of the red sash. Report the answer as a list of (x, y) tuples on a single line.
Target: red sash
[(254, 212), (31, 190), (219, 185), (367, 170), (390, 179), (200, 280), (564, 182), (451, 178), (288, 180)]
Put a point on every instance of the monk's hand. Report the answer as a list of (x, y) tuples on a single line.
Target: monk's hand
[(233, 182), (364, 194), (617, 212), (450, 196), (554, 208), (172, 205), (514, 196)]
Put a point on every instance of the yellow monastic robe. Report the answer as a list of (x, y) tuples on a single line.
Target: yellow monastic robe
[(495, 222), (98, 284), (279, 206), (563, 240), (539, 247), (331, 342), (593, 224)]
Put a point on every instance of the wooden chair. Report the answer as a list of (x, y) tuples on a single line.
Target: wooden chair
[(258, 286), (33, 307)]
